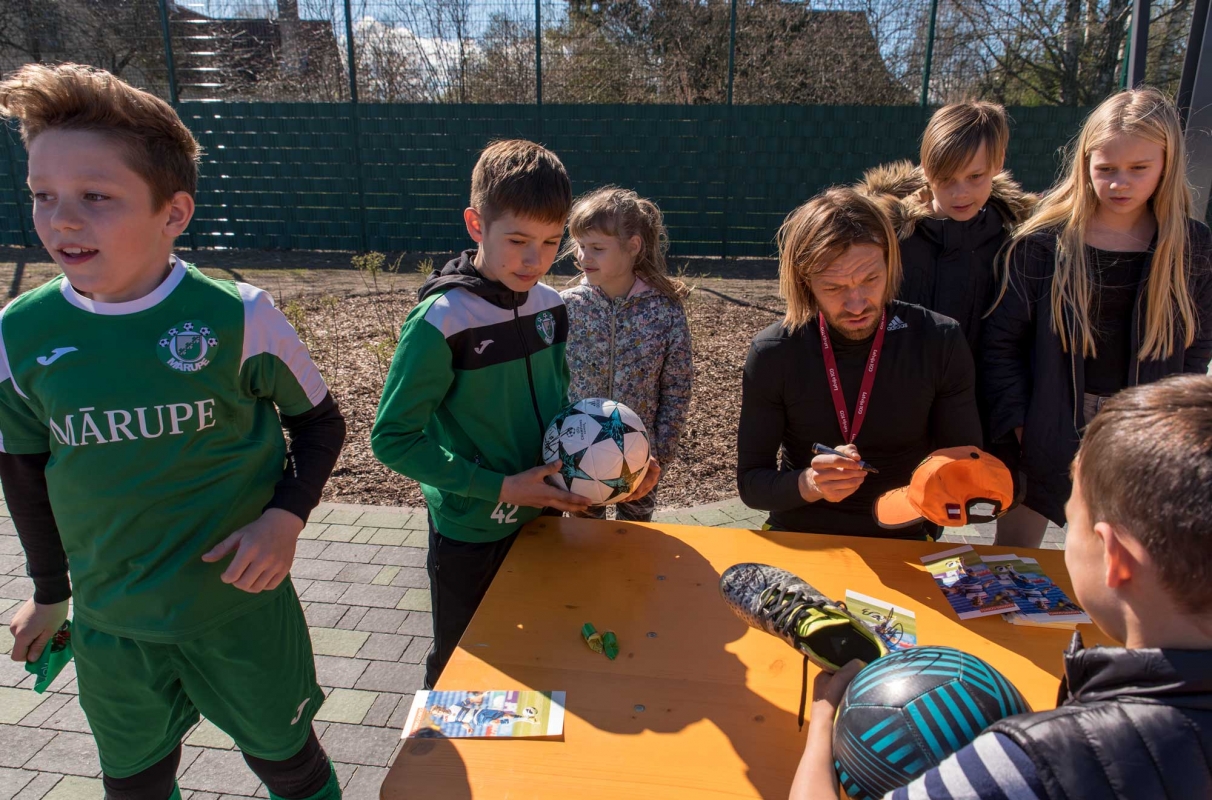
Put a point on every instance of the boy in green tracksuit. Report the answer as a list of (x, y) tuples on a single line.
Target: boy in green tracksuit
[(479, 372), (142, 455)]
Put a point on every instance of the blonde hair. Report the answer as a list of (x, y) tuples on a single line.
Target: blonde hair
[(523, 178), (622, 213), (820, 231), (957, 131), (1070, 206), (156, 144)]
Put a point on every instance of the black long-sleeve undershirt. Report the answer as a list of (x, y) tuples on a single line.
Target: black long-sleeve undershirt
[(316, 437)]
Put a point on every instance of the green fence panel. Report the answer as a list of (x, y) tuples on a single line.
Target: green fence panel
[(285, 175)]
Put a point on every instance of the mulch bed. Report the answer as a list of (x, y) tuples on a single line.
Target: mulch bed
[(352, 339)]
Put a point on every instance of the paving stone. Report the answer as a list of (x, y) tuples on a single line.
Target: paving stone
[(365, 784), (324, 615), (385, 703), (320, 513), (301, 585), (339, 672), (69, 718), (324, 592), (353, 553), (317, 570), (401, 556), (417, 649), (382, 620), (346, 705), (6, 604), (52, 703), (12, 673), (343, 516), (309, 549), (188, 756), (385, 576), (339, 533), (384, 519), (68, 753), (415, 600), (208, 734), (352, 617), (363, 535), (376, 596), (332, 642), (73, 787), (419, 539), (411, 578), (356, 573), (20, 588), (712, 517), (38, 787), (399, 717), (312, 531), (16, 703), (357, 744), (14, 564), (6, 640), (345, 772), (13, 781), (419, 623), (388, 536), (10, 545), (383, 676), (220, 771), (384, 647)]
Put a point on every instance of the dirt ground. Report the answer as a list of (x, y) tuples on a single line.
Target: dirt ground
[(349, 319)]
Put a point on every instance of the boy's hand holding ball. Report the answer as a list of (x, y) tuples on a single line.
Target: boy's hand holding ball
[(530, 488)]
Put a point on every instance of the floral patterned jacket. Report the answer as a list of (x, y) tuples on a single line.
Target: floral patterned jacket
[(634, 349)]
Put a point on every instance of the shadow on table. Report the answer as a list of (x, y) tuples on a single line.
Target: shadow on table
[(661, 598), (439, 750)]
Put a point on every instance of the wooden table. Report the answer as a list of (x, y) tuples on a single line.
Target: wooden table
[(698, 705)]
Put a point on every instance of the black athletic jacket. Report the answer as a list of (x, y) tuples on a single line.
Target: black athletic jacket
[(1130, 725), (923, 399)]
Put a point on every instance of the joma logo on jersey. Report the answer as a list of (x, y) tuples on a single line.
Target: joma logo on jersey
[(90, 426), (185, 346)]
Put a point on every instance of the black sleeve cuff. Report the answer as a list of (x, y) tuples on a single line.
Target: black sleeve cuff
[(316, 438), (51, 590)]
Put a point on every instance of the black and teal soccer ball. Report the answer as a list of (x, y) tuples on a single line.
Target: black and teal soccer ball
[(604, 449), (907, 711)]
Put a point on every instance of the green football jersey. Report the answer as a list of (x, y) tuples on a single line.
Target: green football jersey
[(159, 416)]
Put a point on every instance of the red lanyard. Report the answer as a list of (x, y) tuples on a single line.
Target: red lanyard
[(835, 383)]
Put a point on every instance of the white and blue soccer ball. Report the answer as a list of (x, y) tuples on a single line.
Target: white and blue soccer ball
[(603, 446)]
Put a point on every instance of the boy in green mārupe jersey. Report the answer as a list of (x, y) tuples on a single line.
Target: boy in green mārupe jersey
[(141, 451)]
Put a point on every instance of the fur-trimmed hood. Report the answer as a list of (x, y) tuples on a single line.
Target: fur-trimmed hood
[(902, 189)]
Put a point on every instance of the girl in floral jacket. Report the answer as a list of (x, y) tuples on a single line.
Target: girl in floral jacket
[(627, 334)]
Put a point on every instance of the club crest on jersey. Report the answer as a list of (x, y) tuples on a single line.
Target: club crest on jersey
[(187, 346), (545, 324)]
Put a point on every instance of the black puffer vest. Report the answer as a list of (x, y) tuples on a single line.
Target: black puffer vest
[(1129, 724)]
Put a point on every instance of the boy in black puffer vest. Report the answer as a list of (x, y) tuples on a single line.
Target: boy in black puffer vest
[(1133, 721)]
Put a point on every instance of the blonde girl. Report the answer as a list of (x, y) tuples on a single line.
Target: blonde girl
[(1108, 285), (628, 339)]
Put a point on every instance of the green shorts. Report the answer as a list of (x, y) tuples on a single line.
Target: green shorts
[(254, 677)]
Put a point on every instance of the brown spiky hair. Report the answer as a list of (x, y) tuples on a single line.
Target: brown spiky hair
[(523, 178), (156, 144)]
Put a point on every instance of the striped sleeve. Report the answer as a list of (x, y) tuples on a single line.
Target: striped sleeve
[(275, 364), (993, 767)]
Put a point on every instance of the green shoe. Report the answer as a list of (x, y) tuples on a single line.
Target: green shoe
[(773, 600)]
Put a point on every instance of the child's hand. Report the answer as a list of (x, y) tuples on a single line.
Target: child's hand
[(530, 489), (829, 687), (33, 626), (650, 480), (265, 551)]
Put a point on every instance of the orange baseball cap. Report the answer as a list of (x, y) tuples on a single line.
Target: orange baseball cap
[(952, 487)]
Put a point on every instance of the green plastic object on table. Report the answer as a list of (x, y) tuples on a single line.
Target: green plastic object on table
[(610, 644), (592, 637)]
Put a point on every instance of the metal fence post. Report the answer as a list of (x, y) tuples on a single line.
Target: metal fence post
[(1138, 48), (1195, 103), (925, 99), (731, 49), (168, 53), (355, 115), (538, 54), (12, 173)]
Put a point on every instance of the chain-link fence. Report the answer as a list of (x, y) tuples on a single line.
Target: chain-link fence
[(832, 52)]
